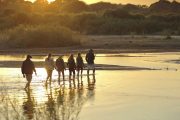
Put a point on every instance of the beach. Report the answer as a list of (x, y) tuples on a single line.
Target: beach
[(124, 93)]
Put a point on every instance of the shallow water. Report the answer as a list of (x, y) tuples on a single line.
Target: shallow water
[(126, 95)]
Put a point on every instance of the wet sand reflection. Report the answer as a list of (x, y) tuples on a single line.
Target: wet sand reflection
[(63, 103), (28, 106)]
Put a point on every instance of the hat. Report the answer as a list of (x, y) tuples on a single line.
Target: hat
[(29, 56)]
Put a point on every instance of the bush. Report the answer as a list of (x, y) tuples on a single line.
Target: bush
[(117, 13), (21, 18), (40, 36)]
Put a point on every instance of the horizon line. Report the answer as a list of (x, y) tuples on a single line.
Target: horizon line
[(113, 2)]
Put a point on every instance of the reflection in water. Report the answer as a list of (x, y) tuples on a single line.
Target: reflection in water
[(147, 91), (63, 103), (28, 105), (80, 81), (72, 79), (51, 104), (91, 82)]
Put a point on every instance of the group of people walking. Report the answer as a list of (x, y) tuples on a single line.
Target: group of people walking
[(28, 66)]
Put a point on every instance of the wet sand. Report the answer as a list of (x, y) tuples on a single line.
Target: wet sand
[(117, 94)]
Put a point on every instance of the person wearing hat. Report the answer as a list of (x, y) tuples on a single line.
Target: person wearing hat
[(60, 67), (27, 69), (90, 57)]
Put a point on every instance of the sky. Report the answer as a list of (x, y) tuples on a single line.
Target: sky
[(139, 2), (144, 2)]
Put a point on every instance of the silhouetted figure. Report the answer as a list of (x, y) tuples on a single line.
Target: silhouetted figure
[(27, 69), (90, 57), (79, 64), (49, 66), (72, 67), (60, 66), (28, 105)]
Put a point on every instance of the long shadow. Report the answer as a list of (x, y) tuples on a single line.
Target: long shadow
[(28, 106)]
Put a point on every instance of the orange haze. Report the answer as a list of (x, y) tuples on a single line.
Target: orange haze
[(142, 2)]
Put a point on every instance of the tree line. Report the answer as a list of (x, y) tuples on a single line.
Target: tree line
[(100, 18)]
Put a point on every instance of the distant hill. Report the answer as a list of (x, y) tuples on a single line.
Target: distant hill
[(165, 6), (162, 7), (100, 6)]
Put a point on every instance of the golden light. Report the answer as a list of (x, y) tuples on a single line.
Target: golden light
[(141, 2), (40, 94)]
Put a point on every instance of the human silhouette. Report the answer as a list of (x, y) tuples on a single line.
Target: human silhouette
[(79, 64), (27, 69), (72, 66), (49, 66), (90, 57), (60, 67)]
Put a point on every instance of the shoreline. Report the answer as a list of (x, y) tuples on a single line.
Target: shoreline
[(40, 64), (57, 51), (108, 44)]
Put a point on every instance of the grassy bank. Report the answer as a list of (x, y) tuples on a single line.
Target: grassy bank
[(38, 36), (108, 44)]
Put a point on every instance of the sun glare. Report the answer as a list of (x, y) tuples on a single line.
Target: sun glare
[(50, 0)]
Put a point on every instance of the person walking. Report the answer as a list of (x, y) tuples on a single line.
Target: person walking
[(49, 66), (79, 64), (60, 67), (72, 66), (27, 70), (90, 57)]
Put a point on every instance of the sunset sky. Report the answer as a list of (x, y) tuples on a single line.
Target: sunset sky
[(147, 2)]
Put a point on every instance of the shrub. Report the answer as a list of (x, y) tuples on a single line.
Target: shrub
[(40, 36), (117, 13)]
